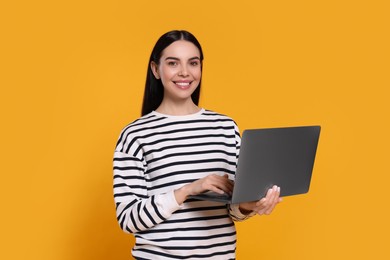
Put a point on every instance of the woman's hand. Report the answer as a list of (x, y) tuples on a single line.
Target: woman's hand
[(265, 205), (212, 182)]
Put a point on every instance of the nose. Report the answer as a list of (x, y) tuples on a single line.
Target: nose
[(183, 71)]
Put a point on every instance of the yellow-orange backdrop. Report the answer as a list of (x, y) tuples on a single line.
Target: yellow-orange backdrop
[(72, 75)]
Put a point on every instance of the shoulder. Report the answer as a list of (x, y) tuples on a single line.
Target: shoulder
[(141, 122), (133, 130), (218, 116)]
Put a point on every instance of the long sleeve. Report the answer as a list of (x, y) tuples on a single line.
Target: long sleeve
[(135, 210)]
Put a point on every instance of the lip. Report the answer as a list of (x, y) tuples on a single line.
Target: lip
[(182, 81), (183, 84)]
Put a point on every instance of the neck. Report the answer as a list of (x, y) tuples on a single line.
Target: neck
[(178, 109)]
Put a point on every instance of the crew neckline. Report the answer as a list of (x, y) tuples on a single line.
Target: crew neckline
[(154, 112)]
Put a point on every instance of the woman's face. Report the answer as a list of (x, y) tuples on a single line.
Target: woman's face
[(179, 70)]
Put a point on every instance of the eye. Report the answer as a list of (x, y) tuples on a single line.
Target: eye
[(172, 63), (194, 63)]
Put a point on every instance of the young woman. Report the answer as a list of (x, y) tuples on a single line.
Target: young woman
[(175, 150)]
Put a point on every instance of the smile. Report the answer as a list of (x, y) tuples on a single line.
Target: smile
[(183, 84)]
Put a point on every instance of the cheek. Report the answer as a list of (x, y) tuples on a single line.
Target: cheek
[(167, 74), (197, 73)]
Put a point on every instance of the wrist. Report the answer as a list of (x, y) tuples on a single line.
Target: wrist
[(181, 194), (244, 211)]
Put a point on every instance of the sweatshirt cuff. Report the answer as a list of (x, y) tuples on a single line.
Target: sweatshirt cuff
[(167, 203), (238, 214)]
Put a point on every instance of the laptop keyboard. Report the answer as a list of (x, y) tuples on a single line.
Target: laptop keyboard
[(212, 194)]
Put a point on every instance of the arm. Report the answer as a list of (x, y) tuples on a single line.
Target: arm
[(135, 210)]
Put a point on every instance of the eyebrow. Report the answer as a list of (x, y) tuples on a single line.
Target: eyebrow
[(174, 58)]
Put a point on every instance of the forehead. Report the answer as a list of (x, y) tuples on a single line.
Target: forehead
[(181, 49)]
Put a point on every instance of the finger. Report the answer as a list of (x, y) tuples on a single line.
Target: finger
[(219, 184), (270, 209), (274, 202), (268, 203), (217, 190), (224, 183), (224, 189), (261, 202), (277, 197), (270, 198), (214, 187), (229, 182), (272, 194), (261, 211), (261, 206)]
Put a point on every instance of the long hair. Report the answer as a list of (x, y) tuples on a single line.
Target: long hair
[(154, 90)]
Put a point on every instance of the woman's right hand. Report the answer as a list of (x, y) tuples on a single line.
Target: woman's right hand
[(212, 182)]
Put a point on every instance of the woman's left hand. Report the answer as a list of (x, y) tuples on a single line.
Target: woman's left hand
[(265, 205)]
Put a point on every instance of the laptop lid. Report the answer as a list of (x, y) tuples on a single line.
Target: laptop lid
[(272, 156), (275, 156)]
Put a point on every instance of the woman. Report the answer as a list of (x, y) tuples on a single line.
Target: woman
[(176, 150)]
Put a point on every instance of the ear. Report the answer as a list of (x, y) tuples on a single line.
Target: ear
[(154, 68)]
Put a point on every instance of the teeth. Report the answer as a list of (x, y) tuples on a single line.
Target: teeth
[(183, 83)]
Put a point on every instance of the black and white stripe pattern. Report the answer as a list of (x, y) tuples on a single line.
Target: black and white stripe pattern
[(157, 154)]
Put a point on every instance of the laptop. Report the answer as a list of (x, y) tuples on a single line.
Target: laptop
[(272, 156)]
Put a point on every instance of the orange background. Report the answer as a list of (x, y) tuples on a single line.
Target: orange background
[(73, 73)]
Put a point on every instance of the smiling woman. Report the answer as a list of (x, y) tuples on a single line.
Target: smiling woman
[(154, 87), (175, 150), (179, 70)]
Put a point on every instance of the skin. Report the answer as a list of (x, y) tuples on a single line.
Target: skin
[(179, 69)]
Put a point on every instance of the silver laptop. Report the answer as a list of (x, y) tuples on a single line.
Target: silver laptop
[(272, 156)]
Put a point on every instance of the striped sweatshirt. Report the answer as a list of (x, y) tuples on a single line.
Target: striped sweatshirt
[(158, 154)]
